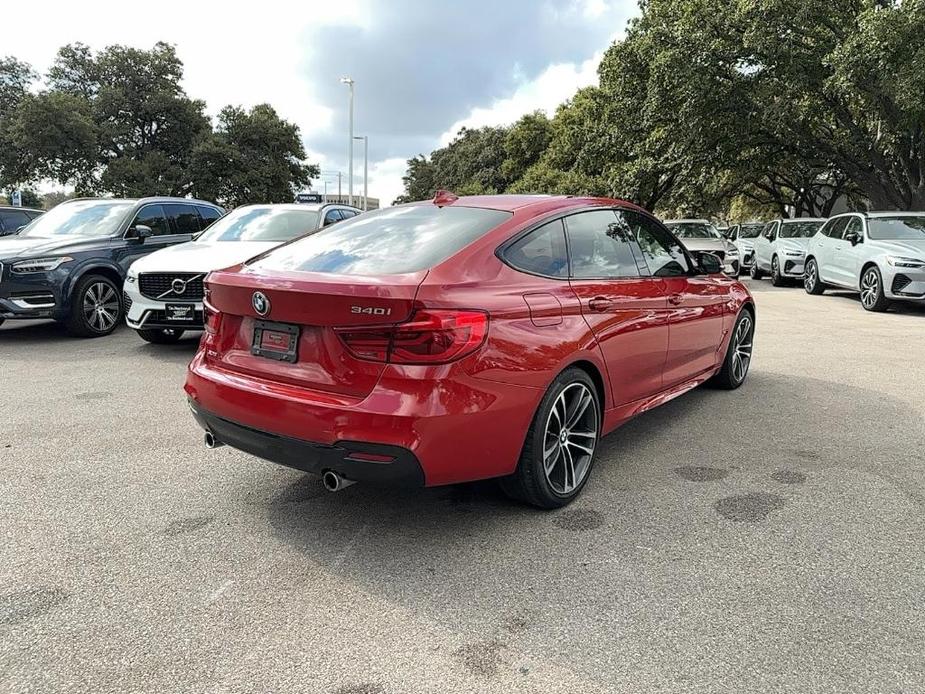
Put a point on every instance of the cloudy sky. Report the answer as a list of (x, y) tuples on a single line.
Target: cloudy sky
[(422, 69)]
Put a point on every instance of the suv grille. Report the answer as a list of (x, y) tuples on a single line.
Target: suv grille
[(186, 286)]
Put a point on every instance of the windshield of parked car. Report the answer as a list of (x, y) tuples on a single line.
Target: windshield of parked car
[(391, 241), (269, 224), (80, 218), (799, 230), (750, 231), (896, 228), (694, 230)]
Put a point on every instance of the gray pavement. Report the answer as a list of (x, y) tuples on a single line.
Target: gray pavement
[(765, 540)]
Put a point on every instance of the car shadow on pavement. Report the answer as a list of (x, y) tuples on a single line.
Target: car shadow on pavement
[(31, 332)]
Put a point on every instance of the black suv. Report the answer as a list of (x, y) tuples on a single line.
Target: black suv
[(12, 219), (70, 263)]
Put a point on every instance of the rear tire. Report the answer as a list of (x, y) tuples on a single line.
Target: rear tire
[(738, 354), (755, 271), (776, 278), (812, 283), (160, 336), (873, 298), (96, 308), (556, 460)]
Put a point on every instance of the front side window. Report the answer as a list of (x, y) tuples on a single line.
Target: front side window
[(391, 241), (854, 226), (541, 252), (662, 253), (600, 245), (906, 228), (153, 216), (88, 218), (836, 228), (799, 230), (261, 224)]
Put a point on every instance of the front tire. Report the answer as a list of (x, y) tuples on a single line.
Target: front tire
[(738, 354), (755, 271), (558, 453), (776, 278), (160, 336), (812, 283), (873, 297), (96, 308)]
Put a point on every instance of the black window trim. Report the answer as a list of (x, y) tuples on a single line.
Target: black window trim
[(138, 211), (561, 216)]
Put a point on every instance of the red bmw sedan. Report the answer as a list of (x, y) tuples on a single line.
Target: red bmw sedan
[(463, 338)]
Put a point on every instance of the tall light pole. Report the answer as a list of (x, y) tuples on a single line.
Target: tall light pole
[(349, 82), (365, 139)]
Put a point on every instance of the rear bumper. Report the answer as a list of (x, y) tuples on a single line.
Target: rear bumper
[(342, 457), (457, 427)]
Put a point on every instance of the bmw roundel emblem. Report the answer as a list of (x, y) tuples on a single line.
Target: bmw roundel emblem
[(260, 303)]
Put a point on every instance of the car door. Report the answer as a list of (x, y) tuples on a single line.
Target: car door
[(848, 256), (828, 249), (130, 248), (696, 304), (624, 307), (763, 246)]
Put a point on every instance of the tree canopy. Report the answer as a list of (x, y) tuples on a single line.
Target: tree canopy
[(725, 108), (119, 122)]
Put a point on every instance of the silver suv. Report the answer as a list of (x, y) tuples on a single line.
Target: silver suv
[(743, 238), (879, 254), (781, 249)]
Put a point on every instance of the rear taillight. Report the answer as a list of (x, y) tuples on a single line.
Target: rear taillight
[(212, 319), (430, 336)]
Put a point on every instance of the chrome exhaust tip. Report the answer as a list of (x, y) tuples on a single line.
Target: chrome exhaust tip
[(334, 482), (211, 441)]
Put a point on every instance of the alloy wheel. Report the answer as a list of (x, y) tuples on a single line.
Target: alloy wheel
[(811, 276), (101, 306), (775, 270), (870, 288), (570, 438), (742, 348)]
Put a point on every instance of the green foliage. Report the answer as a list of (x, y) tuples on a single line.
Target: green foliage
[(119, 122), (253, 157)]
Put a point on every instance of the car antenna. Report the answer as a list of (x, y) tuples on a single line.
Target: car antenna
[(445, 197)]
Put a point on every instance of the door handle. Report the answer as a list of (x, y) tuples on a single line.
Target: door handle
[(599, 303), (675, 299)]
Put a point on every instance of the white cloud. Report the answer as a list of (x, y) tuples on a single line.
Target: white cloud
[(555, 85)]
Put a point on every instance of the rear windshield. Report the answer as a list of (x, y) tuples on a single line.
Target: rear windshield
[(392, 241)]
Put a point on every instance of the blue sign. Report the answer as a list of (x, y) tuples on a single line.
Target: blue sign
[(16, 200)]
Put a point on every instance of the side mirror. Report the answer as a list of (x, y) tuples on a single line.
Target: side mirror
[(709, 263), (140, 232), (853, 237)]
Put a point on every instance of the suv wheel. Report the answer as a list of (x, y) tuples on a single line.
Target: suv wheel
[(811, 281), (160, 336), (776, 278), (95, 307), (755, 271), (738, 355), (559, 450), (872, 296)]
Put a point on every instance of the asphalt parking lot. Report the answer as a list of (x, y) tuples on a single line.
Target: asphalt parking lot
[(765, 540)]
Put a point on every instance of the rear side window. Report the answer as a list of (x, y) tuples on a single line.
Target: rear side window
[(184, 218), (392, 241), (600, 244), (207, 215), (541, 252)]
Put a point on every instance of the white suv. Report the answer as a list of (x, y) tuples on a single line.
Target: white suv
[(879, 254), (781, 248), (163, 291)]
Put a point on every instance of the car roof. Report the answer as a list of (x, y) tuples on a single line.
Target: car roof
[(687, 221), (147, 200), (794, 220), (303, 206), (24, 209), (885, 213), (526, 205)]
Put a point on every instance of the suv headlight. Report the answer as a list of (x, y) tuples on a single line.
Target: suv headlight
[(795, 254), (905, 262), (732, 251), (26, 267)]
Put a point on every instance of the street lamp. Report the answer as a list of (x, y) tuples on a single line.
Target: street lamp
[(349, 82), (365, 139)]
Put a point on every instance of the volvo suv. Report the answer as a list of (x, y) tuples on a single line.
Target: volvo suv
[(743, 238), (69, 264), (879, 254), (163, 291), (780, 249)]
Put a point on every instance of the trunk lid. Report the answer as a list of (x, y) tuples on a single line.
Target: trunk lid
[(315, 304)]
